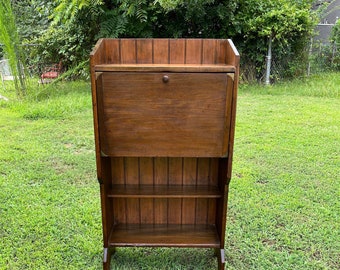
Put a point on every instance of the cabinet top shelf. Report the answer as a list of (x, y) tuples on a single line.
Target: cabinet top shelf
[(164, 68)]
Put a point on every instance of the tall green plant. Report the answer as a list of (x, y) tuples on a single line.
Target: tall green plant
[(335, 42), (77, 24), (10, 39)]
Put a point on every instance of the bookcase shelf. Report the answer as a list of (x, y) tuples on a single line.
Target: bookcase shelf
[(164, 191), (155, 235)]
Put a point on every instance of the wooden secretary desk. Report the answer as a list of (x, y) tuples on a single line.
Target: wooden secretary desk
[(164, 117)]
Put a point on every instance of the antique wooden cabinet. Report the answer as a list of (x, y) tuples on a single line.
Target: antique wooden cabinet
[(164, 117)]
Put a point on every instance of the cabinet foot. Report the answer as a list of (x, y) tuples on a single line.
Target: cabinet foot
[(220, 258), (107, 258)]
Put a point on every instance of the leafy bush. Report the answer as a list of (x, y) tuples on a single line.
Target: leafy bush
[(77, 25), (325, 57), (335, 43)]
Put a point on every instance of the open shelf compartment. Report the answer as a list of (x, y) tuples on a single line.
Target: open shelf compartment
[(128, 235)]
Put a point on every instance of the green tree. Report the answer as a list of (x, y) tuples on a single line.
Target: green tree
[(12, 46), (76, 25), (335, 44), (289, 23)]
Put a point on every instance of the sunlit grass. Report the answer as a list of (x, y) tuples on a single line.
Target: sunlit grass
[(283, 203)]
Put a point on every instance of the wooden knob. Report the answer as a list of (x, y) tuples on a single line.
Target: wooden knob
[(165, 78)]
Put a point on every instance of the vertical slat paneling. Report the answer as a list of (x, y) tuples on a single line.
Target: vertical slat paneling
[(117, 165), (189, 171), (203, 174), (203, 171), (189, 178), (213, 180), (112, 51), (160, 55), (193, 51), (211, 211), (161, 178), (144, 51), (132, 178), (177, 51), (131, 171), (128, 54), (208, 51), (146, 171), (118, 178), (160, 51), (221, 52), (175, 178), (146, 178)]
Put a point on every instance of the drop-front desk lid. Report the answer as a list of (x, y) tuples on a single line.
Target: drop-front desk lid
[(164, 110)]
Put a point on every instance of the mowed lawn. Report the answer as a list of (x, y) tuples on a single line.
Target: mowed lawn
[(283, 210)]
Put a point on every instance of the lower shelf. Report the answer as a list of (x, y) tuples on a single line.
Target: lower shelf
[(204, 236)]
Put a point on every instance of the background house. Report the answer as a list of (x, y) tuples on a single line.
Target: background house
[(329, 18)]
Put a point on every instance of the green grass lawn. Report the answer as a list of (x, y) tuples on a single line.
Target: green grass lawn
[(284, 195)]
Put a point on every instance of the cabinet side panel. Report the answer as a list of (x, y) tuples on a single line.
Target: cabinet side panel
[(95, 84), (233, 58), (228, 124), (97, 55)]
